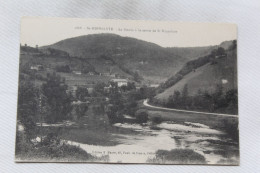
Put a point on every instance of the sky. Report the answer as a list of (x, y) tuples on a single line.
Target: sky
[(43, 31)]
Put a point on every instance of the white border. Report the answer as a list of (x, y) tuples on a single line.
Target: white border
[(245, 14)]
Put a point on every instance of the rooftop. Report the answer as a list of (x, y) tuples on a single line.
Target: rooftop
[(119, 80)]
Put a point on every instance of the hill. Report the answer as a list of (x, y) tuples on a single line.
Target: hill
[(192, 53), (206, 74), (129, 56)]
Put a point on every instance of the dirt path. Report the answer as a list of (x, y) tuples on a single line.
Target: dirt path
[(145, 103)]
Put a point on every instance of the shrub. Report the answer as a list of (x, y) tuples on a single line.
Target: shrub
[(141, 116), (51, 148), (178, 156), (157, 119), (63, 68), (153, 127)]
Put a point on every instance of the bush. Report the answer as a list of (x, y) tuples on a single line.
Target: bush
[(157, 119), (178, 156), (153, 127), (231, 129), (63, 68), (141, 116), (51, 148)]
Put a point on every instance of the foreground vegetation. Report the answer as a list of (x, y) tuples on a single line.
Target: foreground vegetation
[(178, 156), (216, 101), (51, 148)]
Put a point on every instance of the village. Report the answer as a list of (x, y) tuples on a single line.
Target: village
[(87, 89)]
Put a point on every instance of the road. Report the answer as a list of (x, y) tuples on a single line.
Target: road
[(145, 103)]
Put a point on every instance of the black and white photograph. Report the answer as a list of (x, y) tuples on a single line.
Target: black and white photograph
[(127, 91)]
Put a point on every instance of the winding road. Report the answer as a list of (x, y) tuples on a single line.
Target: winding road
[(145, 103)]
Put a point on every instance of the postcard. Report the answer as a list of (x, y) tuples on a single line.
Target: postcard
[(127, 91)]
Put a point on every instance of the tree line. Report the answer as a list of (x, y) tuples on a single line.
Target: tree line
[(216, 101), (52, 102)]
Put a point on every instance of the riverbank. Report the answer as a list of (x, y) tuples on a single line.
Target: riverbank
[(135, 143), (142, 148)]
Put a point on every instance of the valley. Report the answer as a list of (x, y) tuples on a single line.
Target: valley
[(110, 98)]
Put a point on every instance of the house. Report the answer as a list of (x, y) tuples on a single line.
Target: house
[(90, 73), (221, 56), (143, 62), (37, 67), (105, 74), (154, 85), (224, 81), (72, 89), (120, 82), (78, 102), (112, 75), (77, 72)]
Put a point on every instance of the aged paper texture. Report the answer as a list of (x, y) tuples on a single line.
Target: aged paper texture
[(118, 91)]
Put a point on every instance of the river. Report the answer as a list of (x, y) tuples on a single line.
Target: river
[(168, 135)]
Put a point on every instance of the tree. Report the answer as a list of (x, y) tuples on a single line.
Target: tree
[(58, 99), (207, 101), (220, 51), (130, 102), (234, 45), (115, 108), (219, 90), (111, 112), (199, 93), (231, 96), (213, 52), (141, 116), (86, 67), (232, 101), (99, 88), (143, 92), (174, 100), (198, 100), (82, 93), (81, 110), (27, 107), (63, 68), (185, 101), (157, 119), (130, 86), (137, 77), (146, 92), (218, 97), (123, 88), (184, 93)]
